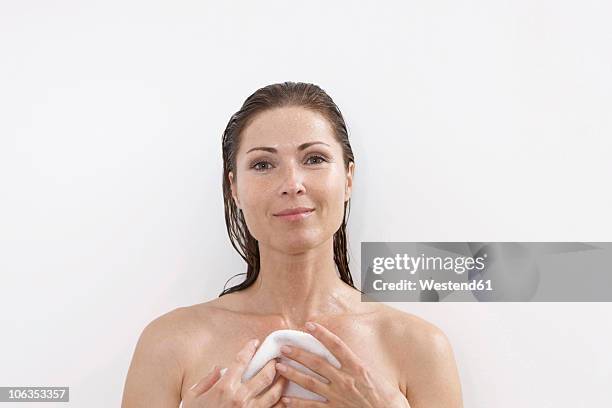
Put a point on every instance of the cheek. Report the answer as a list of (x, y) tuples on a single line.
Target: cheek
[(252, 194), (335, 186), (332, 194), (254, 190)]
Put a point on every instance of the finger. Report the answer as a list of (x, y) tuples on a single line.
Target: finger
[(272, 396), (262, 379), (242, 359), (303, 403), (205, 383), (306, 381), (336, 346), (312, 361)]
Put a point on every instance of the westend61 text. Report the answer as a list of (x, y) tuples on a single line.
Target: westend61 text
[(430, 284)]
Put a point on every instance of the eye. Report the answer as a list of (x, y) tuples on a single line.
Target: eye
[(316, 156), (257, 168), (261, 166)]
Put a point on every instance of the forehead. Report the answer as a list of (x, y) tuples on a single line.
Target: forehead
[(286, 128)]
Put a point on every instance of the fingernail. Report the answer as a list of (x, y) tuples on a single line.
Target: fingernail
[(254, 342), (310, 326), (286, 349), (281, 367), (285, 400)]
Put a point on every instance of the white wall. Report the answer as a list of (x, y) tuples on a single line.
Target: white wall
[(470, 121)]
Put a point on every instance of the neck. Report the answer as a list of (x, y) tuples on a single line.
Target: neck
[(299, 287)]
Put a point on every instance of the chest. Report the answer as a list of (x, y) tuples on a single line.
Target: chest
[(220, 341)]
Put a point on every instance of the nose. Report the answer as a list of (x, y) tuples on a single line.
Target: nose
[(292, 183)]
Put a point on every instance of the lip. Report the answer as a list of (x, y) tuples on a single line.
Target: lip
[(292, 214), (296, 210)]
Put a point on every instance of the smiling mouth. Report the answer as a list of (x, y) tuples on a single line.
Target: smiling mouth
[(295, 216)]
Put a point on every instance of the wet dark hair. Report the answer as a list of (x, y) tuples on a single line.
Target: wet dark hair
[(284, 94)]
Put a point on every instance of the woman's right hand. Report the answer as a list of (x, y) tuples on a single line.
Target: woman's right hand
[(229, 391)]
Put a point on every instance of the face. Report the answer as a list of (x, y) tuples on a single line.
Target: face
[(288, 158)]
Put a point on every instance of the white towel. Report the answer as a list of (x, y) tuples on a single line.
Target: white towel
[(270, 349)]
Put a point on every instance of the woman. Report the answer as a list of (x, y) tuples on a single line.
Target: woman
[(287, 181)]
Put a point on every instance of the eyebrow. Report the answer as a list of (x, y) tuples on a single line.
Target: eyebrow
[(273, 150)]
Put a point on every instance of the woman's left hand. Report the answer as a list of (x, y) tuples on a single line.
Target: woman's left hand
[(353, 385)]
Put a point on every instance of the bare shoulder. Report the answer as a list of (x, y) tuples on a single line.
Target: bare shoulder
[(426, 360), (155, 375), (422, 334)]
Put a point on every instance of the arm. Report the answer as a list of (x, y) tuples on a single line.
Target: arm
[(434, 379), (155, 374)]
